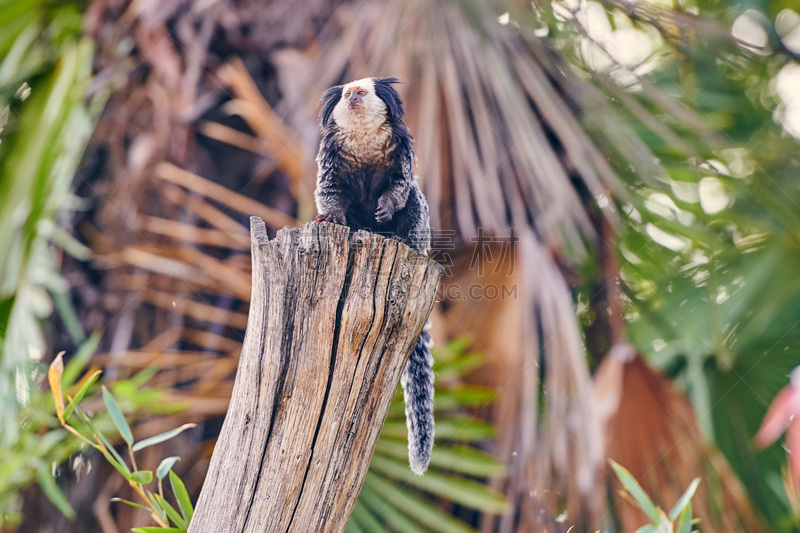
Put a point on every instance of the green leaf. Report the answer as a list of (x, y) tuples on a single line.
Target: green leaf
[(650, 528), (165, 466), (132, 504), (81, 393), (78, 361), (401, 506), (446, 353), (385, 510), (112, 456), (684, 500), (457, 489), (390, 513), (457, 458), (117, 417), (67, 311), (182, 496), (462, 397), (685, 520), (352, 526), (364, 519), (454, 427), (173, 515), (636, 490), (81, 415), (143, 477), (459, 367), (162, 437)]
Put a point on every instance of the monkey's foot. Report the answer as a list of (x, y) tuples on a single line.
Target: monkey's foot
[(403, 240), (333, 218)]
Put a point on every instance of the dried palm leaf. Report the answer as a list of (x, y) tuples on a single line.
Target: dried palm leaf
[(499, 148), (231, 199), (653, 431), (488, 121)]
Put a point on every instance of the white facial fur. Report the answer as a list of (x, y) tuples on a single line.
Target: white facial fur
[(364, 133)]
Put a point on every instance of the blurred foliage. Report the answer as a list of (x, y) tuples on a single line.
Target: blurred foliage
[(44, 77), (678, 520), (393, 498), (42, 446), (45, 124), (91, 434), (708, 243), (39, 444)]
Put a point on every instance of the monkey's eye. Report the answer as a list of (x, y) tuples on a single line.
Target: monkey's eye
[(347, 94), (362, 92)]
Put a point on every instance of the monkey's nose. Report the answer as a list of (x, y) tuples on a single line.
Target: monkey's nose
[(354, 100)]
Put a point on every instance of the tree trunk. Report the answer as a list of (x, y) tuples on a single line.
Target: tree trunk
[(332, 322)]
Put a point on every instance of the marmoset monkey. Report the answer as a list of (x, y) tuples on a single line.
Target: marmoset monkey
[(366, 181)]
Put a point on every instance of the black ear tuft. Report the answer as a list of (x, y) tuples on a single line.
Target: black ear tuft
[(387, 93), (329, 100)]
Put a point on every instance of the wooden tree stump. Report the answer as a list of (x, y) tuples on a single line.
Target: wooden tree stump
[(332, 321)]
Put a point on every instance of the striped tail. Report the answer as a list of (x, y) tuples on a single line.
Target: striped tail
[(417, 381)]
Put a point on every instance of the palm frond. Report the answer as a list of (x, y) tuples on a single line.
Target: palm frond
[(394, 498), (499, 147)]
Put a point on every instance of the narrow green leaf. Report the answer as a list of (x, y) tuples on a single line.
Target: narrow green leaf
[(162, 437), (455, 488), (364, 519), (66, 310), (458, 367), (458, 458), (81, 393), (162, 513), (87, 427), (78, 361), (636, 490), (117, 417), (132, 504), (684, 499), (390, 514), (113, 457), (685, 520), (412, 506), (143, 477), (173, 515), (352, 525), (448, 352), (454, 427), (182, 496), (463, 396), (122, 468), (165, 466), (50, 488), (386, 511), (649, 528)]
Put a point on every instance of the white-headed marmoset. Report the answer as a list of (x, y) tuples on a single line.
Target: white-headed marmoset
[(365, 180)]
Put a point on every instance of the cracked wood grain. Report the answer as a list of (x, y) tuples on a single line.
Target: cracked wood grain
[(332, 320)]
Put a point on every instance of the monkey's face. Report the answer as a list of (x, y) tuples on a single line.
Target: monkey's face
[(359, 108)]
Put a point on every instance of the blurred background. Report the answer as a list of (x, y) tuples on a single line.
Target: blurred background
[(614, 190)]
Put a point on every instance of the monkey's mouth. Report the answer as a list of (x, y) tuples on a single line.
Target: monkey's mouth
[(351, 104)]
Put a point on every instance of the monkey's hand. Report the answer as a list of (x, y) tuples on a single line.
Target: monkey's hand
[(385, 210), (334, 217)]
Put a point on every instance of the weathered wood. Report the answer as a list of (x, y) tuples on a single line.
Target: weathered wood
[(332, 321)]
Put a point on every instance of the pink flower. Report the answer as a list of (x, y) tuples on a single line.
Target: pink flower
[(782, 415)]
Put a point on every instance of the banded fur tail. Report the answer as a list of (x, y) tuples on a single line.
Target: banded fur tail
[(417, 381)]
